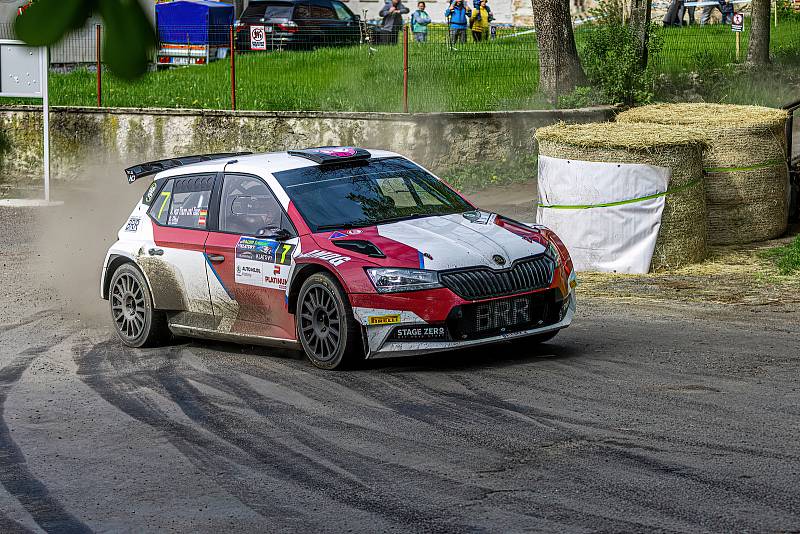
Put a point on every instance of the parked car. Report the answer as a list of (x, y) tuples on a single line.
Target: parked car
[(343, 252), (296, 24)]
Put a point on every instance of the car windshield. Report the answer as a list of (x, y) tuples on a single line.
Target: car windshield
[(374, 192)]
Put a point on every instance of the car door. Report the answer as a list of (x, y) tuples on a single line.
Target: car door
[(250, 261), (175, 264)]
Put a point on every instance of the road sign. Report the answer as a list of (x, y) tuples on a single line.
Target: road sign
[(737, 24), (23, 73), (258, 38)]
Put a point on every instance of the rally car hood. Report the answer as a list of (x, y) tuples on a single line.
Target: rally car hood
[(462, 240)]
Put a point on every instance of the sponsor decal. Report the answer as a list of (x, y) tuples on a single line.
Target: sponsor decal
[(337, 235), (339, 151), (263, 262), (151, 191), (354, 231), (417, 333), (331, 257), (132, 224), (384, 319)]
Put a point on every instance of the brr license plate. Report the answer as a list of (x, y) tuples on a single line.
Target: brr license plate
[(500, 314)]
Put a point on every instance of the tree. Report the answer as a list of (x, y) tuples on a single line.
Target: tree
[(129, 36), (560, 68), (758, 49), (640, 24)]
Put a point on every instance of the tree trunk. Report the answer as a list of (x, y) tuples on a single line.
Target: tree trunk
[(560, 68), (758, 50), (640, 23)]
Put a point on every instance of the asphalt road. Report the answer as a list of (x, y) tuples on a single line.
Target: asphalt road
[(639, 417)]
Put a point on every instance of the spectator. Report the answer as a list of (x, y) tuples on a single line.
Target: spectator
[(480, 20), (682, 14), (671, 17), (419, 23), (725, 8), (458, 15), (392, 14)]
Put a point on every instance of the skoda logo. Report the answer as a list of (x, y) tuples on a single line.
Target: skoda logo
[(498, 259)]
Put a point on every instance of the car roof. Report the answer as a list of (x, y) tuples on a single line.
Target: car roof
[(258, 164)]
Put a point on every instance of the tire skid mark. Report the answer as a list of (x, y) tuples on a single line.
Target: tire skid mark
[(27, 320), (215, 446), (316, 476), (568, 514), (9, 526), (15, 476)]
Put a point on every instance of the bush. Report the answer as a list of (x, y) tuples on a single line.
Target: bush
[(611, 58)]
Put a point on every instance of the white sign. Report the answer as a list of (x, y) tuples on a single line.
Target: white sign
[(23, 73), (738, 22), (258, 38)]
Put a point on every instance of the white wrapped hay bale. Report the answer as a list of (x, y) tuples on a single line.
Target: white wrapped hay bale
[(623, 198)]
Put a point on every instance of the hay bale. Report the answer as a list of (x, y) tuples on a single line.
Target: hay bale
[(682, 235), (745, 165)]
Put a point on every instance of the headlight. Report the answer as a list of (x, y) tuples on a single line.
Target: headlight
[(391, 280), (552, 253)]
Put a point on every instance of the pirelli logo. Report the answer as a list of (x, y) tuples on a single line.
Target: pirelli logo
[(384, 319)]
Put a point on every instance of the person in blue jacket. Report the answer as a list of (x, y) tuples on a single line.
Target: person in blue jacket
[(458, 16), (419, 23)]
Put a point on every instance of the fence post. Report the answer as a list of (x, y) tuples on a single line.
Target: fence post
[(233, 68), (99, 63), (405, 68)]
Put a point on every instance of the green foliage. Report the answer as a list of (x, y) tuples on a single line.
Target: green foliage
[(786, 12), (786, 258), (611, 57), (129, 36), (486, 173), (581, 97)]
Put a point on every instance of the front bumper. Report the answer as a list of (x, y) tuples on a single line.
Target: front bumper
[(381, 345)]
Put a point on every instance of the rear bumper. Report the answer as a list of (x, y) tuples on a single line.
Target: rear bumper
[(381, 345)]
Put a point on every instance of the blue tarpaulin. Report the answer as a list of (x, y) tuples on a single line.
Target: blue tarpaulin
[(194, 22)]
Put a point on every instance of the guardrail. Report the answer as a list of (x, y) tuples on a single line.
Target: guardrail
[(793, 161)]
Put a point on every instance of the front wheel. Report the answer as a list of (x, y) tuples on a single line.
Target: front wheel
[(326, 327), (136, 322)]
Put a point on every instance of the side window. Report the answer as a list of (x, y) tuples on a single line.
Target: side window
[(341, 11), (248, 206), (183, 202), (159, 209), (323, 12)]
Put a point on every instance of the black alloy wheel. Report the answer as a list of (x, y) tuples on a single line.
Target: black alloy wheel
[(326, 327), (136, 322)]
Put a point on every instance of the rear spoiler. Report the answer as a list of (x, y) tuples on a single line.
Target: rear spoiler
[(155, 167)]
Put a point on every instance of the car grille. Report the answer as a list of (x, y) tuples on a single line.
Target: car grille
[(480, 283)]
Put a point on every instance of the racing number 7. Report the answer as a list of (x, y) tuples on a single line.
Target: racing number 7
[(286, 248)]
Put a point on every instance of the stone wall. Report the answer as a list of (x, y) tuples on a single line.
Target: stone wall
[(85, 138)]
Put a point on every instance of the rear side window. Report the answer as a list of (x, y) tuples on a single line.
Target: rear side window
[(257, 12), (183, 202)]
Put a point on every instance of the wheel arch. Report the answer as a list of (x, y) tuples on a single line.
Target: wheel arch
[(115, 261), (304, 271)]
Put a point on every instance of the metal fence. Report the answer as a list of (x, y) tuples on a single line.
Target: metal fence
[(358, 67)]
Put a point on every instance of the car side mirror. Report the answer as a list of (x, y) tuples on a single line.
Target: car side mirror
[(273, 232)]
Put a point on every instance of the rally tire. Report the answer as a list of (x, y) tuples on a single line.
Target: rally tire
[(136, 322), (326, 327)]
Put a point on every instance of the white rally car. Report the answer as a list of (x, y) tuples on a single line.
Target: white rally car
[(340, 251)]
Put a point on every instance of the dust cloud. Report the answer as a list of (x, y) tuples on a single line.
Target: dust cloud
[(72, 240)]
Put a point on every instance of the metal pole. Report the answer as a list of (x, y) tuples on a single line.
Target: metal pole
[(405, 69), (46, 115), (99, 63), (233, 68)]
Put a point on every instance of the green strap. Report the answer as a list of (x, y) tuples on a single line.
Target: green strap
[(750, 168), (621, 202)]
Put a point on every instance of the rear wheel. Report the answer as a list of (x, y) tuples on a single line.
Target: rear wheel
[(326, 327), (136, 322)]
